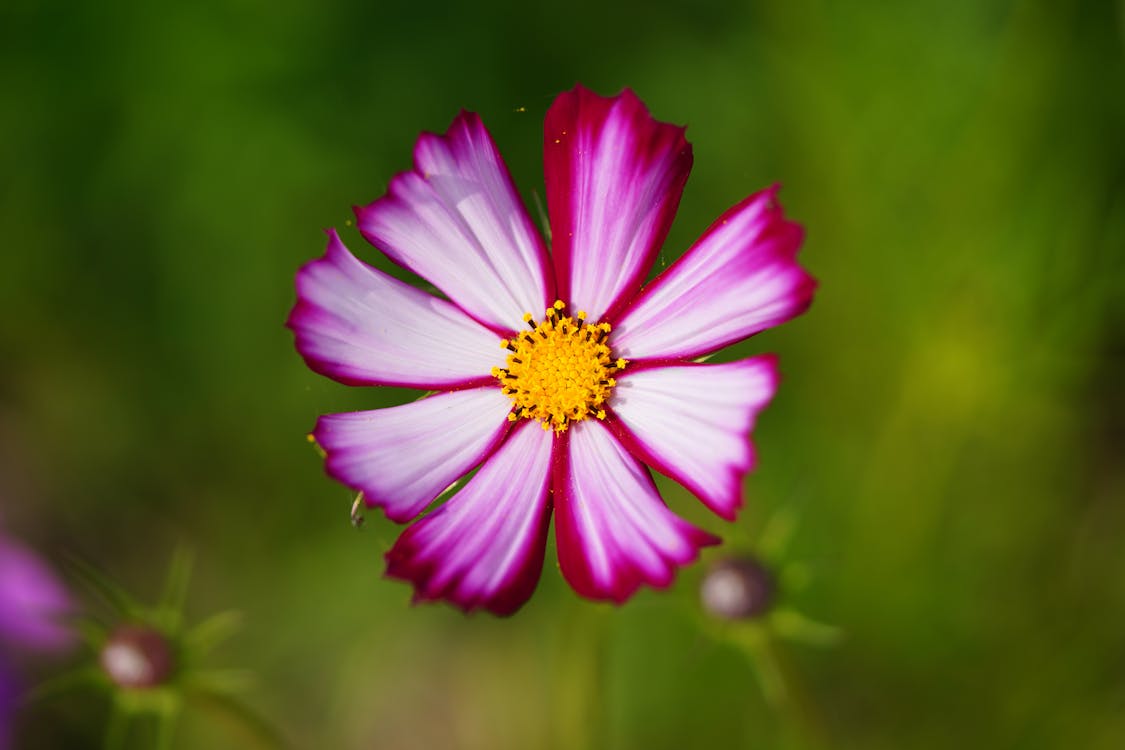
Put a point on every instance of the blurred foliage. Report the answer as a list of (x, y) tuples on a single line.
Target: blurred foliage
[(950, 427), (149, 665)]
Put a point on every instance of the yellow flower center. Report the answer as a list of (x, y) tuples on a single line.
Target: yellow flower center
[(560, 371)]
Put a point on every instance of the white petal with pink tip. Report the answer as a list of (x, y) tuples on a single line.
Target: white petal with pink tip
[(457, 221), (614, 179), (614, 532), (362, 327), (740, 278), (692, 422)]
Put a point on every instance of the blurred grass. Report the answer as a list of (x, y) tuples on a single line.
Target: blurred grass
[(950, 426)]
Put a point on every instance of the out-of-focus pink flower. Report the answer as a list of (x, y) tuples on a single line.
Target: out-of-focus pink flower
[(32, 602), (568, 339), (32, 605)]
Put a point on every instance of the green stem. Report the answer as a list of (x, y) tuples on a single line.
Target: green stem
[(597, 713), (580, 665), (165, 729), (782, 686), (117, 728)]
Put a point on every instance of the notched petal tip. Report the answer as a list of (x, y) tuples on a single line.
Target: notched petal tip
[(595, 147), (332, 250), (360, 326), (466, 125), (580, 96), (615, 534), (740, 278), (504, 603), (629, 577), (456, 220)]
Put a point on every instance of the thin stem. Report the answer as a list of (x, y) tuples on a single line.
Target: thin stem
[(794, 703), (781, 684), (165, 729), (117, 728), (597, 712), (580, 664)]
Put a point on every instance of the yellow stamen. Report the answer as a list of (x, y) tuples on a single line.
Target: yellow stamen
[(316, 446), (559, 372)]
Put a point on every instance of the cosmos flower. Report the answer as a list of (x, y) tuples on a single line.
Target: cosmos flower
[(556, 373), (32, 603)]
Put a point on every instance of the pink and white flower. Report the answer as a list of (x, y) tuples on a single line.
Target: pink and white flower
[(567, 340)]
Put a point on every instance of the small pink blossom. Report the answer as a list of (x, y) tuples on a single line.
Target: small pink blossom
[(32, 605), (33, 602), (569, 340)]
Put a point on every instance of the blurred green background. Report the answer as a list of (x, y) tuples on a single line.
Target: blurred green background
[(949, 434)]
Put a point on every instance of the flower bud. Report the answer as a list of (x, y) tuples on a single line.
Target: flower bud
[(137, 657), (738, 589)]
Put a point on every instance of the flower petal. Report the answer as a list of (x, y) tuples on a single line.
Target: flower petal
[(33, 603), (614, 179), (457, 221), (360, 326), (691, 422), (485, 546), (740, 278), (614, 532), (403, 457)]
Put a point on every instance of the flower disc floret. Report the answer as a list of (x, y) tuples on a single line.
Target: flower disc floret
[(560, 371)]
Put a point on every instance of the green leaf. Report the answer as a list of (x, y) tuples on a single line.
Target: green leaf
[(249, 723), (213, 631), (778, 533), (170, 607), (99, 584), (228, 682), (791, 624), (76, 679)]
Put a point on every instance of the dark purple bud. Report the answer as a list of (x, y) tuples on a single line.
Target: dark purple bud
[(137, 657), (738, 588)]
